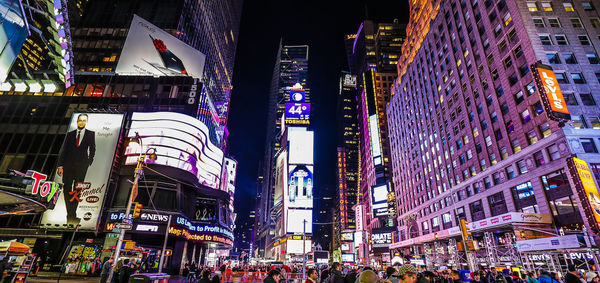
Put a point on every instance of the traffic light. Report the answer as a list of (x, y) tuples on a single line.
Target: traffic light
[(466, 231), (137, 208)]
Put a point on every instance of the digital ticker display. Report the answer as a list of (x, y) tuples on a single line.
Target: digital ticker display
[(297, 113)]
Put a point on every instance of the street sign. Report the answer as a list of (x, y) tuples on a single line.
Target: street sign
[(124, 226)]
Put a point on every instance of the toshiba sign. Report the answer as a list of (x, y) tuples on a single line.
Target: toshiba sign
[(554, 102)]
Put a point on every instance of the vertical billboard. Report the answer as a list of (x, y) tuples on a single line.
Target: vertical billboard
[(550, 93), (13, 32), (84, 166), (151, 51), (297, 113), (300, 186), (587, 190), (379, 200), (280, 179), (301, 147)]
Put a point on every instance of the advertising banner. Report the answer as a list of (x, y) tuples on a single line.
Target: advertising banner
[(84, 166), (280, 179), (180, 141), (300, 187), (295, 221), (587, 190), (554, 102), (13, 32), (297, 113), (297, 95), (379, 203), (359, 216), (301, 146), (550, 243), (151, 51)]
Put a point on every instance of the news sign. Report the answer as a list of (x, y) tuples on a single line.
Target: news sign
[(84, 165), (151, 51), (550, 93), (297, 113)]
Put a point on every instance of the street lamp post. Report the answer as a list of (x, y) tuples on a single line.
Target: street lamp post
[(303, 248), (138, 171)]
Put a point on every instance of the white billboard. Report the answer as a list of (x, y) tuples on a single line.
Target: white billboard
[(280, 179), (84, 166), (295, 221), (299, 191), (180, 141), (300, 145), (295, 246), (151, 51)]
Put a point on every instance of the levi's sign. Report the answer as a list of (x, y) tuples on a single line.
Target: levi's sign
[(550, 92)]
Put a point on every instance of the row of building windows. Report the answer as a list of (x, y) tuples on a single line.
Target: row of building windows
[(548, 6)]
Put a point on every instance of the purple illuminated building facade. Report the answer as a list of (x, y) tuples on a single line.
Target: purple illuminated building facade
[(471, 137)]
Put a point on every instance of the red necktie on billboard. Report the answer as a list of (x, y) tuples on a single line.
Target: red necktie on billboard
[(78, 138)]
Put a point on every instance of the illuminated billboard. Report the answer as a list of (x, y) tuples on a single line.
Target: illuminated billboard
[(297, 95), (295, 221), (13, 32), (301, 146), (348, 258), (349, 80), (295, 246), (151, 51), (549, 89), (297, 113), (587, 190), (375, 142), (180, 141), (359, 216), (347, 236), (379, 200), (381, 239), (84, 165), (280, 179), (300, 182)]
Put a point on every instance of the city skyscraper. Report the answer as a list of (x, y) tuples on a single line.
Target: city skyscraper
[(373, 53), (291, 68), (480, 131)]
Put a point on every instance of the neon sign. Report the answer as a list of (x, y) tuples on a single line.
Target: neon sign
[(45, 189), (199, 237)]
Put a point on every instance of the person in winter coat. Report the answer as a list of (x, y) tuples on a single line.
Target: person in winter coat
[(336, 275), (573, 275), (273, 276), (546, 277)]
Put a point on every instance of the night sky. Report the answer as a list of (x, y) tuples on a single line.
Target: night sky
[(322, 25)]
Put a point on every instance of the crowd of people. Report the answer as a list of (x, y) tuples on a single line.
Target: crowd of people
[(409, 274)]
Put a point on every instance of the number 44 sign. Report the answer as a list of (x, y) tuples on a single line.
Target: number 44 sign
[(297, 113)]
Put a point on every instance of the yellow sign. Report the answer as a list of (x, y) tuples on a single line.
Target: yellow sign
[(129, 245), (589, 186)]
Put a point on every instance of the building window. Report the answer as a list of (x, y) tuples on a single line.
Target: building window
[(510, 172), (545, 39), (497, 204), (519, 97), (539, 22), (578, 78), (584, 39), (510, 126), (525, 116), (532, 137), (598, 77), (568, 6), (516, 146), (496, 177), (522, 166), (587, 6), (561, 39), (554, 22), (477, 212), (570, 58), (538, 157), (503, 153), (488, 141), (553, 58), (562, 206), (576, 22), (524, 190), (571, 99), (532, 7), (538, 108), (547, 6), (592, 58), (595, 122), (555, 180), (587, 99), (589, 146), (545, 129), (561, 78), (553, 152), (578, 122), (595, 22), (530, 88)]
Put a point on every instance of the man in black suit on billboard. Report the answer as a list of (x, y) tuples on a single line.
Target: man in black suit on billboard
[(76, 156)]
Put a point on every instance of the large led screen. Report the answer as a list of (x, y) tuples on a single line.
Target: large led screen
[(84, 165), (280, 179), (375, 142), (299, 193), (301, 149), (13, 32), (295, 246), (151, 51), (379, 201), (347, 257), (180, 141), (297, 113), (295, 221)]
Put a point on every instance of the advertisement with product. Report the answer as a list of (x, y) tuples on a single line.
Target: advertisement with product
[(549, 89), (379, 197), (300, 187), (13, 33), (301, 145), (297, 113), (151, 51), (179, 141), (587, 189), (84, 166)]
